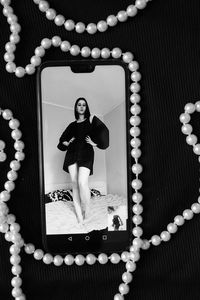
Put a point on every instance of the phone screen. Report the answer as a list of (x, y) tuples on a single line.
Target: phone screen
[(83, 115)]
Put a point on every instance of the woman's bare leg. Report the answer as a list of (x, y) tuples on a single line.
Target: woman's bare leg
[(73, 171), (83, 176)]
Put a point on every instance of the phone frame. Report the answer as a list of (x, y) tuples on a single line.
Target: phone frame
[(50, 239)]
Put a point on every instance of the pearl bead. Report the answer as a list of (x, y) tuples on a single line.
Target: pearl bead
[(10, 67), (135, 142), (125, 256), (19, 155), (85, 51), (7, 11), (80, 27), (137, 219), (137, 197), (69, 260), (179, 220), (133, 66), (4, 228), (188, 214), (186, 129), (137, 243), (59, 20), (11, 218), (46, 43), (115, 258), (38, 254), (135, 109), (137, 169), (135, 131), (136, 153), (56, 41), (127, 277), (22, 297), (195, 208), (123, 288), (15, 259), (140, 4), (185, 118), (29, 248), (19, 72), (145, 245), (191, 139), (111, 20), (30, 69), (14, 38), (136, 184), (172, 228), (130, 266), (58, 260), (4, 196), (10, 47), (3, 208), (16, 292), (165, 236), (14, 123), (135, 98), (74, 50), (18, 145), (11, 18), (196, 149), (40, 51), (16, 134), (135, 87), (189, 108), (14, 249), (95, 53), (137, 231), (5, 2), (9, 57), (79, 259), (127, 57), (16, 237), (16, 269), (102, 26), (131, 10), (15, 227), (136, 76), (69, 25), (122, 16), (155, 240), (197, 106), (3, 156), (116, 53), (91, 28), (65, 46), (118, 297), (105, 53), (50, 14), (7, 114), (15, 28), (102, 258), (90, 259), (43, 6), (16, 282)]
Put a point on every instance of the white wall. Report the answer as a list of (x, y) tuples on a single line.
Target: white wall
[(116, 153), (55, 120)]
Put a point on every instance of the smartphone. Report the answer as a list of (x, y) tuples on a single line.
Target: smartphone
[(84, 152)]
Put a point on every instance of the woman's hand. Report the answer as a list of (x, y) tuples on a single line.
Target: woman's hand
[(89, 141), (70, 141)]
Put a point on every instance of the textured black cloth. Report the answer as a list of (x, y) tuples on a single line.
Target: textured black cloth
[(165, 40)]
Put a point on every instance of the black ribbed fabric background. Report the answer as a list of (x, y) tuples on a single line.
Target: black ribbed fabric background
[(165, 40)]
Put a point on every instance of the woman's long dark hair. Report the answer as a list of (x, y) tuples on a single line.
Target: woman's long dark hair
[(87, 111)]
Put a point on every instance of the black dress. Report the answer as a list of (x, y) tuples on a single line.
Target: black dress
[(79, 151)]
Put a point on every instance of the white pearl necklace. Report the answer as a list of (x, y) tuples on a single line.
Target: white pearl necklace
[(91, 28), (11, 229), (46, 43)]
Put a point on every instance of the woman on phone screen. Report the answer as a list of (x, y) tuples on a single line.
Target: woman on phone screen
[(79, 139)]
